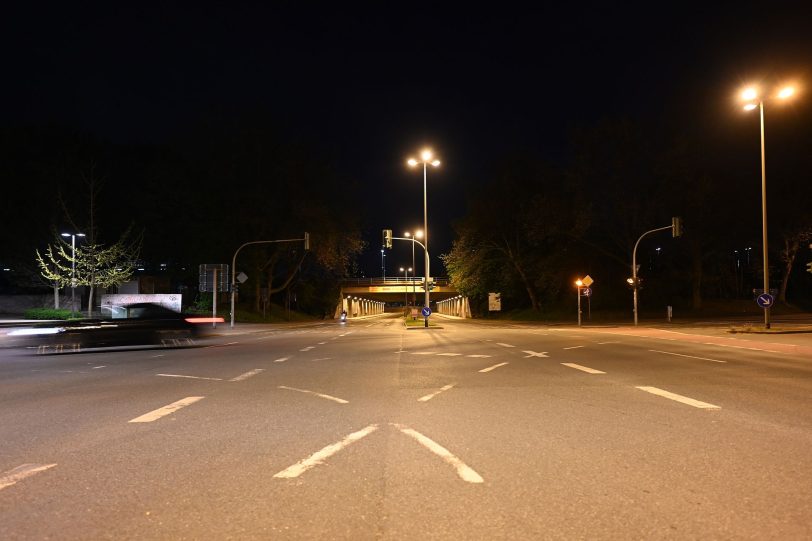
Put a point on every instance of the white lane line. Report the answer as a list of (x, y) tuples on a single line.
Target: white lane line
[(449, 354), (679, 398), (248, 374), (320, 359), (424, 353), (326, 396), (187, 377), (689, 356), (19, 473), (603, 343), (574, 347), (535, 354), (166, 410), (505, 345), (479, 356), (308, 348), (319, 457), (494, 367), (435, 393), (583, 368), (281, 359), (463, 470), (322, 343), (156, 356), (100, 366), (740, 347)]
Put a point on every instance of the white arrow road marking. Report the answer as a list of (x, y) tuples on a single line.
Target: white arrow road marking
[(166, 410), (583, 368), (188, 377), (281, 360), (19, 473), (535, 354), (327, 396), (320, 456), (679, 398), (463, 470), (494, 367), (248, 374), (432, 395), (505, 345), (689, 356)]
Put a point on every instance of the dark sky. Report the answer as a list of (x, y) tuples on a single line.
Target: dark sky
[(372, 86)]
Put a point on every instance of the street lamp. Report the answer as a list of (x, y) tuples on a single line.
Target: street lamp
[(383, 264), (417, 235), (73, 268), (753, 99), (406, 289), (426, 159)]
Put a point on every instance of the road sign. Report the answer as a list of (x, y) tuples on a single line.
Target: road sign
[(207, 273), (426, 311), (586, 292), (587, 281), (242, 277), (765, 300)]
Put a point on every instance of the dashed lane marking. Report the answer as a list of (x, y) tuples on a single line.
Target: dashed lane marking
[(308, 348), (449, 354), (187, 377), (604, 343), (248, 374), (320, 395), (479, 356), (465, 472), (320, 359), (319, 457), (424, 353), (679, 398), (494, 367), (689, 356), (505, 345), (573, 347), (100, 366), (583, 368), (435, 393), (281, 359), (19, 473), (154, 415)]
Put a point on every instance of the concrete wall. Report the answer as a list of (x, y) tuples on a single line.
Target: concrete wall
[(17, 304)]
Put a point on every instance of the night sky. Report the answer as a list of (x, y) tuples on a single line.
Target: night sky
[(372, 86)]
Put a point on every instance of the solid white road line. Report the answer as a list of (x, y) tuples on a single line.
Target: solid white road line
[(327, 396), (21, 472), (320, 456), (574, 347), (463, 470), (740, 347), (583, 368), (166, 410), (679, 398), (432, 395), (188, 377), (689, 356), (248, 374), (494, 367), (281, 360), (505, 345)]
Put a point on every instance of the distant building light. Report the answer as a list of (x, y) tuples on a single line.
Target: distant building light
[(140, 268), (6, 269)]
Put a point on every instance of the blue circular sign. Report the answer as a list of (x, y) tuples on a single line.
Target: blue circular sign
[(765, 300), (586, 292), (426, 311)]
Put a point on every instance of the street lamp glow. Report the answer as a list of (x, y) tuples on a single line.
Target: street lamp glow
[(412, 162), (749, 94), (579, 282), (750, 106), (426, 155), (435, 163), (786, 92)]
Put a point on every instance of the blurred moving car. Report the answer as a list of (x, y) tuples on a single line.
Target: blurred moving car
[(144, 324)]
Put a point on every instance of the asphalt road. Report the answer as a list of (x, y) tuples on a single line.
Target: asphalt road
[(370, 431)]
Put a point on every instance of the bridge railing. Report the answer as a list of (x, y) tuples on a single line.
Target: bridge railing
[(393, 280)]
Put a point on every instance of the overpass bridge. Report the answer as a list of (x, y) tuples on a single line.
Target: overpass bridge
[(367, 296)]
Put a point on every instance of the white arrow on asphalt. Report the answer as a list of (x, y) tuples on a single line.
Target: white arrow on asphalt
[(535, 354)]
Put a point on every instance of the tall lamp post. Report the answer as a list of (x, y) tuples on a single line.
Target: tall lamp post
[(73, 268), (426, 159), (406, 292), (753, 99)]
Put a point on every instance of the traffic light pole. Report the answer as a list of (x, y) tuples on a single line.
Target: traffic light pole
[(676, 229)]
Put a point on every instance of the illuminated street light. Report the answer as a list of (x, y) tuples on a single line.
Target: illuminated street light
[(73, 268), (751, 95), (417, 235), (406, 288), (426, 159)]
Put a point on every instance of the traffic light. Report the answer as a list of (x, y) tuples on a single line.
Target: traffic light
[(809, 267), (387, 238), (676, 226)]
